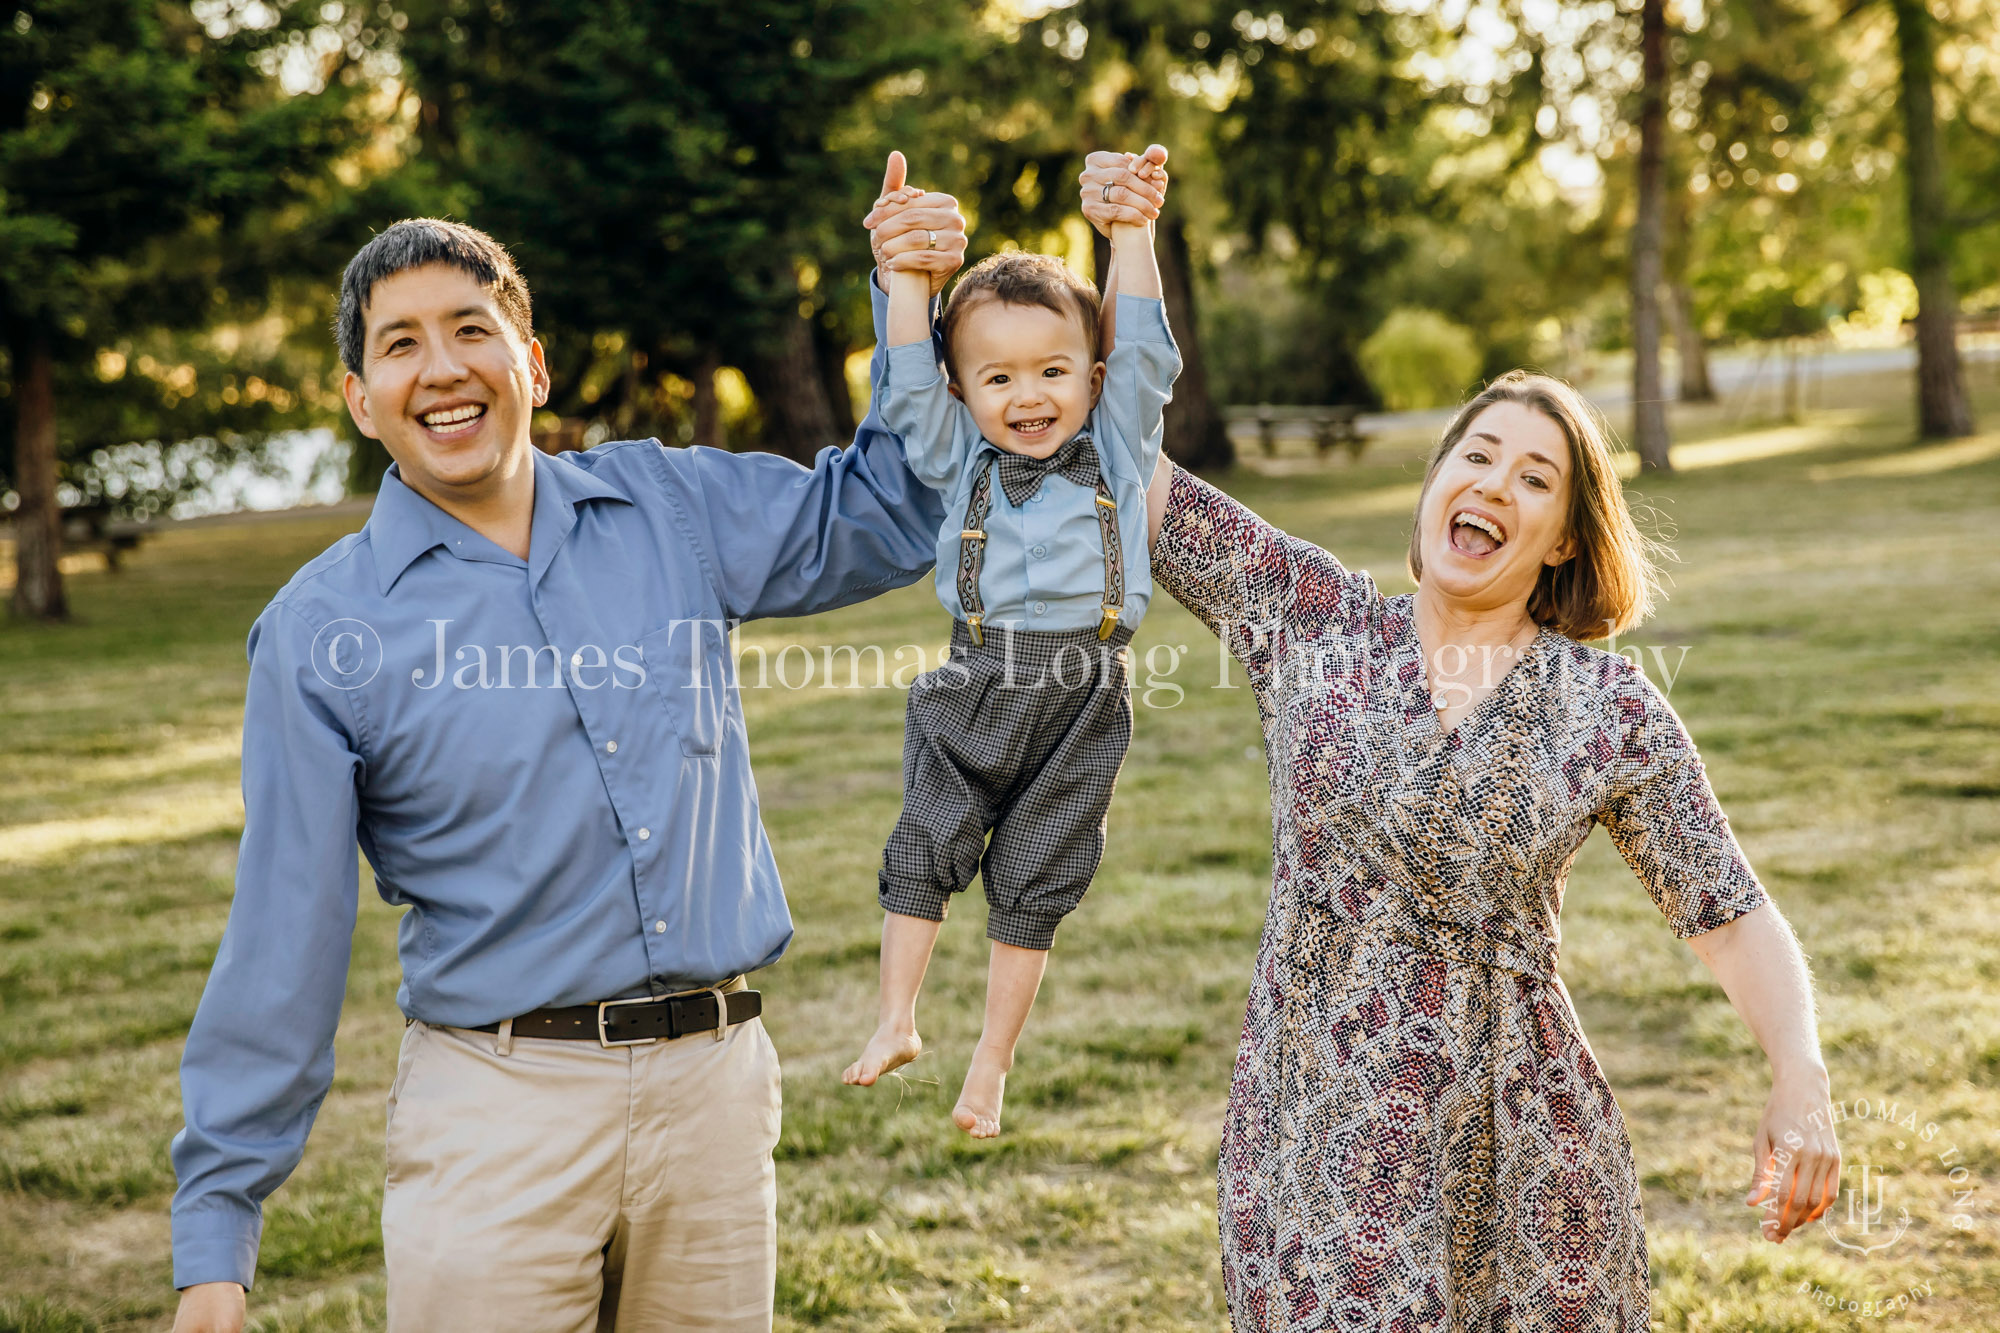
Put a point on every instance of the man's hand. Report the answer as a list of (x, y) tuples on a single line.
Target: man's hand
[(912, 229), (1123, 189), (211, 1307)]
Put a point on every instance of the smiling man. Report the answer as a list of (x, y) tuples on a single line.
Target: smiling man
[(585, 1104)]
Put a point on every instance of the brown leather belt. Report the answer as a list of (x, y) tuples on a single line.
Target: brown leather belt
[(636, 1022)]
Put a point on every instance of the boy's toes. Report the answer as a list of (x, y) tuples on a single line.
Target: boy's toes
[(972, 1122)]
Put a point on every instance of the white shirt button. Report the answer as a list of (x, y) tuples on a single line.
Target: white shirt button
[(1439, 701), (644, 834), (659, 927), (611, 747), (1041, 608), (1039, 552), (576, 659)]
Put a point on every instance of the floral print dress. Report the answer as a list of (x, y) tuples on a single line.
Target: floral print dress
[(1418, 1137)]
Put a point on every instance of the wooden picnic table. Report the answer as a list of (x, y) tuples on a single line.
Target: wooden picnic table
[(1337, 424), (96, 524)]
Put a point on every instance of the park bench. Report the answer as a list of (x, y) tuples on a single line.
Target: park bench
[(95, 525), (1329, 426)]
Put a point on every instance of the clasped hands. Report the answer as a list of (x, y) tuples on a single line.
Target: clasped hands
[(922, 230)]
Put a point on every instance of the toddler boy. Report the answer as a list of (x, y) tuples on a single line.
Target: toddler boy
[(1043, 447)]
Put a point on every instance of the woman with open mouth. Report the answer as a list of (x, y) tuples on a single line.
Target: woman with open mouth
[(1418, 1136)]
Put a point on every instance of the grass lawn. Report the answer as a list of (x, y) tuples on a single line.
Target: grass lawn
[(1839, 602)]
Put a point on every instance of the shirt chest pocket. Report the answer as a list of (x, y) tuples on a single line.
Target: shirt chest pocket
[(687, 668)]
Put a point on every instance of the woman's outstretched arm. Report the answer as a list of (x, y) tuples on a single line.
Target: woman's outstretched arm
[(1796, 1159)]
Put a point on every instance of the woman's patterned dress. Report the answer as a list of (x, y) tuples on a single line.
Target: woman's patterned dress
[(1418, 1137)]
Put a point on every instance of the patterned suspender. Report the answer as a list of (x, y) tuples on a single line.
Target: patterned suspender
[(972, 553)]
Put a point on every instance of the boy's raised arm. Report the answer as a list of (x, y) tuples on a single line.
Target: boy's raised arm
[(1142, 364)]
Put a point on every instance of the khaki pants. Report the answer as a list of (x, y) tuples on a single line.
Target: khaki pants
[(562, 1186)]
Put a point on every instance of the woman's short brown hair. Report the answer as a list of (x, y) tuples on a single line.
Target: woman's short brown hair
[(1610, 581), (1019, 278)]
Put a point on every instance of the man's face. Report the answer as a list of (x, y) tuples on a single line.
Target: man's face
[(446, 384)]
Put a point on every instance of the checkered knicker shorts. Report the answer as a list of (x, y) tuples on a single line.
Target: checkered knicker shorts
[(1021, 739)]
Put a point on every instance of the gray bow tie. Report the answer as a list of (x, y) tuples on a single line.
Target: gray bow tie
[(1021, 476)]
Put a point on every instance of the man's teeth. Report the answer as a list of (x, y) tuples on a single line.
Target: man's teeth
[(1484, 524), (453, 416)]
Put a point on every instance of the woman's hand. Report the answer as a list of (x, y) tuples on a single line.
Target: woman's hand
[(1123, 189), (1795, 1166), (913, 229)]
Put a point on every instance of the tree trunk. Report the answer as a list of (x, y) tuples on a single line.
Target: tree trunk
[(707, 409), (38, 589), (1649, 408), (1695, 385), (785, 376), (1195, 434), (1795, 407), (831, 354), (1943, 412), (1690, 347)]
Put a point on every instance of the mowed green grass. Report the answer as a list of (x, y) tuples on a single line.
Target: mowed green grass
[(1839, 602)]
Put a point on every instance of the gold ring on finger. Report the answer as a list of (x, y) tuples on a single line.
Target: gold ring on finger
[(930, 242)]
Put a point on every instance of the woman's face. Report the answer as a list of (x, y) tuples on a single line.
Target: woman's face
[(1497, 509)]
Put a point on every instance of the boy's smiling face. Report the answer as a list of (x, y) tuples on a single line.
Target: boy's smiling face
[(1026, 373)]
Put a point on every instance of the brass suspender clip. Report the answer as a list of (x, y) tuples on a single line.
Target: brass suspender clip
[(972, 625), (1109, 623), (972, 535), (1107, 502)]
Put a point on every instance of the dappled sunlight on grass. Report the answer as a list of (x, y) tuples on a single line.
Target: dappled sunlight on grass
[(1825, 430), (173, 813), (1946, 457)]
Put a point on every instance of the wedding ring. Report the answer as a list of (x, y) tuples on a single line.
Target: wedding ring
[(931, 240), (1107, 194)]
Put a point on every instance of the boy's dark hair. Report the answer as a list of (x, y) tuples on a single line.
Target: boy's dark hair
[(412, 243), (1018, 278)]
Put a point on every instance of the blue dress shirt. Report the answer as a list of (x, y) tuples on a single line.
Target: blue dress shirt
[(1045, 559), (544, 759)]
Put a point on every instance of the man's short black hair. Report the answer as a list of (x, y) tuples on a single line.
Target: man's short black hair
[(412, 243)]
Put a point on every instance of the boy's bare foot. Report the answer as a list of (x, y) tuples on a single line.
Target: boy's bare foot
[(890, 1048), (978, 1109)]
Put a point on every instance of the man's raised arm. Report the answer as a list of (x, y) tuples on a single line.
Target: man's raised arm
[(789, 541)]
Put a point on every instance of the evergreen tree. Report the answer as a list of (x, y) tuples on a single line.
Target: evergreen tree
[(145, 147), (681, 182)]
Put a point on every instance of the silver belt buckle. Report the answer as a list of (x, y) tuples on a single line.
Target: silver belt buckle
[(721, 1013), (604, 1038)]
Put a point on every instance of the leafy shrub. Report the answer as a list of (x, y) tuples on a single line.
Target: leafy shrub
[(1418, 359)]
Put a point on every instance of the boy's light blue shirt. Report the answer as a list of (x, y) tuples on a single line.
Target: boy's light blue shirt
[(1044, 566), (566, 807)]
